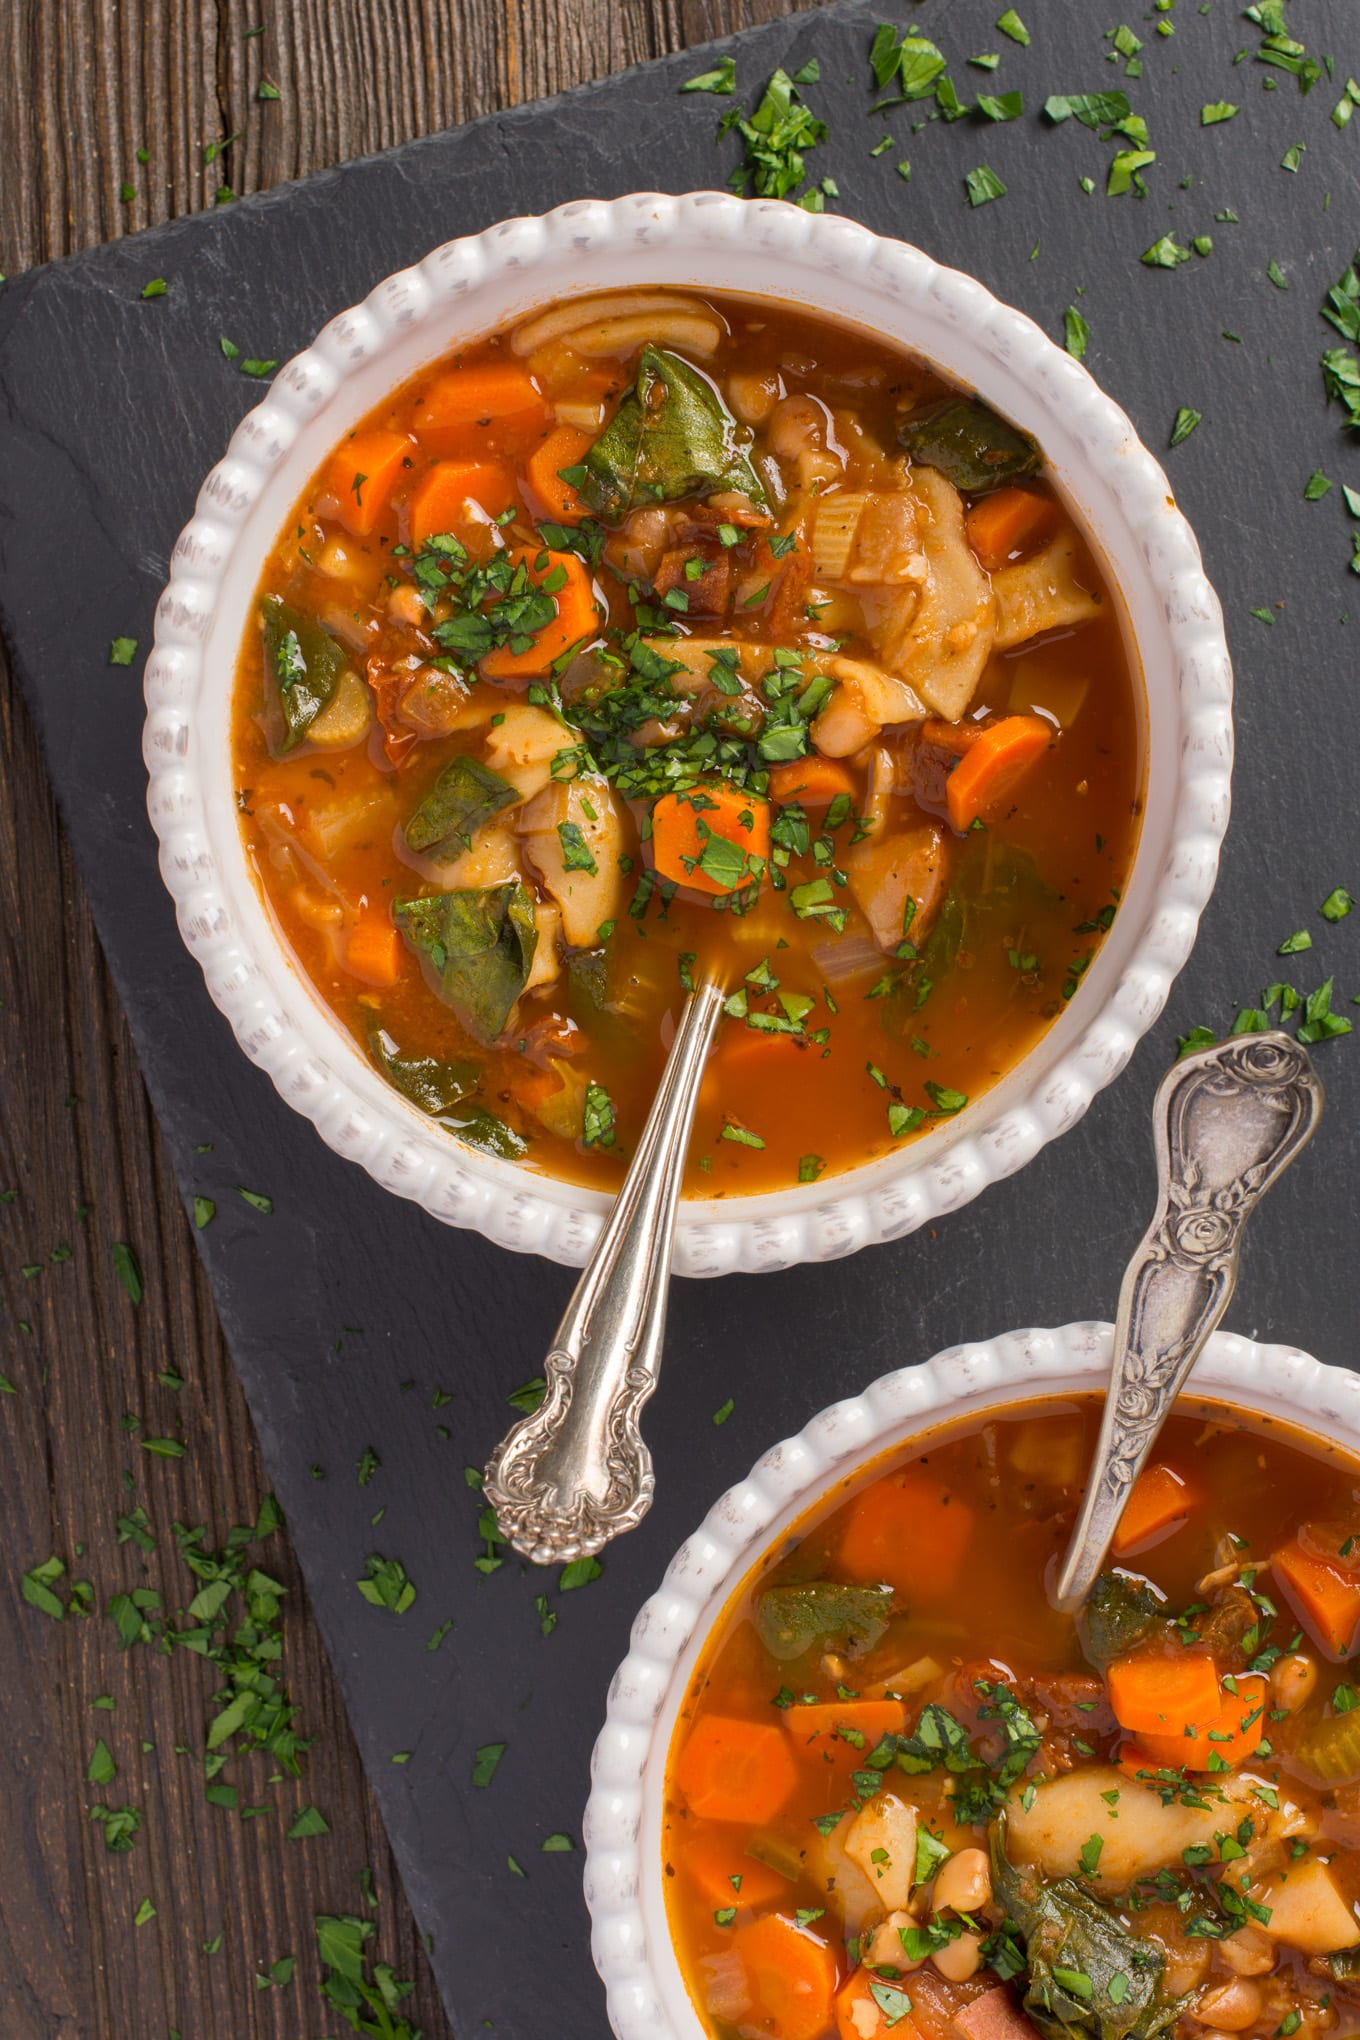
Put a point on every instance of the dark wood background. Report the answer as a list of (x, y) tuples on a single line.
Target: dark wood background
[(83, 85)]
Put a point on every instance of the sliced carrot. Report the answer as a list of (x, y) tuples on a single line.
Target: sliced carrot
[(860, 2015), (813, 782), (1223, 1742), (578, 616), (1008, 522), (684, 825), (730, 1769), (1323, 1594), (373, 950), (817, 1726), (562, 448), (717, 1865), (985, 777), (465, 403), (362, 473), (910, 1530), (791, 1972), (1157, 1695), (1160, 1501), (441, 498)]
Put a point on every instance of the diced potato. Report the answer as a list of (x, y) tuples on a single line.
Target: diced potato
[(1042, 594), (579, 312), (335, 825), (587, 898), (833, 1869), (939, 640), (1138, 1835), (882, 1841), (1308, 1911), (1049, 1450), (347, 717), (1059, 695)]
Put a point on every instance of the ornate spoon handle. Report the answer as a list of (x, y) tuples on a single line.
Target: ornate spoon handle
[(574, 1474), (1227, 1121)]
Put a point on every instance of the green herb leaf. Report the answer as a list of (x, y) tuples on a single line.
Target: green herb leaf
[(1186, 421), (487, 1761), (1076, 333), (983, 185), (1010, 24), (126, 1268), (720, 80), (122, 651)]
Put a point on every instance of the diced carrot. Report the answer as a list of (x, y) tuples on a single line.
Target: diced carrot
[(459, 407), (730, 1769), (986, 776), (1226, 1740), (684, 825), (1153, 1694), (577, 617), (440, 499), (1008, 522), (813, 782), (791, 1972), (816, 1726), (373, 950), (909, 1530), (717, 1865), (1160, 1501), (362, 473), (860, 2016), (1323, 1594), (562, 448)]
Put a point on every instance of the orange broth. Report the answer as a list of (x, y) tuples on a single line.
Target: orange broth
[(887, 963)]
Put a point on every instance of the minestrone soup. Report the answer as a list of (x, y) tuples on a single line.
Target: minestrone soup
[(906, 1798), (666, 634)]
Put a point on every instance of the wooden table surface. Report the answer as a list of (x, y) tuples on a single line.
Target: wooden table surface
[(85, 84)]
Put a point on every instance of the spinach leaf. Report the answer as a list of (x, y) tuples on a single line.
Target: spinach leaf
[(672, 436), (481, 942), (432, 1084), (588, 977), (1089, 1978), (1122, 1611), (1344, 1965), (304, 662), (970, 446), (792, 1619), (481, 1129), (998, 894), (466, 794)]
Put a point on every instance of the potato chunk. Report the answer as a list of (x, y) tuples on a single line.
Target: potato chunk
[(1308, 1911), (882, 1841), (1138, 1835), (577, 819)]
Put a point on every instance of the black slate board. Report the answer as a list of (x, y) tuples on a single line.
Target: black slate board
[(348, 1310)]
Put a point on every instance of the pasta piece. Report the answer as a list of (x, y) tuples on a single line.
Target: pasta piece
[(493, 858), (1042, 594), (939, 640), (833, 536), (570, 319), (522, 747), (547, 963), (865, 701), (690, 333), (574, 836), (887, 542)]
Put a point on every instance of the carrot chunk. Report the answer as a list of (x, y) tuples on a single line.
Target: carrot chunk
[(561, 449), (820, 1730), (1008, 522), (717, 1865), (465, 403), (713, 839), (860, 2015), (1156, 1695), (1225, 1741), (910, 1531), (441, 498), (577, 616), (362, 474), (1324, 1594), (736, 1770), (792, 1976), (814, 782), (1161, 1501), (373, 950), (985, 777)]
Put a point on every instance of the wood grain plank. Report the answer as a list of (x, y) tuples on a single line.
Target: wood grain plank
[(83, 85)]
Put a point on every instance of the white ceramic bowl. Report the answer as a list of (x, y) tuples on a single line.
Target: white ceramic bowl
[(624, 1883), (769, 248)]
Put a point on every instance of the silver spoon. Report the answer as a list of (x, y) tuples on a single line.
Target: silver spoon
[(576, 1473), (1228, 1121)]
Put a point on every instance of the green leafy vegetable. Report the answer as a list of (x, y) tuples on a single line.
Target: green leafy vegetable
[(1121, 1611), (791, 1619), (1165, 253), (434, 1085), (1010, 24), (466, 794), (385, 1584), (970, 446), (983, 185), (369, 2004), (721, 79), (480, 941), (128, 1270), (776, 138), (1186, 421), (1088, 1977), (671, 437), (304, 662), (1076, 333), (122, 651)]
